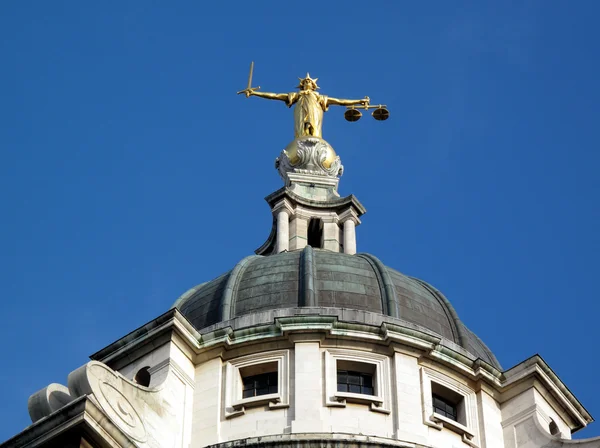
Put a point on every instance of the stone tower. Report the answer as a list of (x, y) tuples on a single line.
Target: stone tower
[(306, 343)]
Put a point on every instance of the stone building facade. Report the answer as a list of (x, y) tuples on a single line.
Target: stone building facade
[(306, 343)]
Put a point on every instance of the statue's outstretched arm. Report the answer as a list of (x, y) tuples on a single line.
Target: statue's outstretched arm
[(269, 96), (340, 102)]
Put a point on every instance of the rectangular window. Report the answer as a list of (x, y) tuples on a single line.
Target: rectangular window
[(262, 384), (355, 382), (448, 403), (444, 407), (357, 377), (257, 380)]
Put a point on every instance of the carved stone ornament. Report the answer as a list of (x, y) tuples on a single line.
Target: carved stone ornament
[(44, 402), (309, 155), (150, 416), (113, 395)]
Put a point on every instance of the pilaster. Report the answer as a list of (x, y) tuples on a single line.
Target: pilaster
[(298, 232)]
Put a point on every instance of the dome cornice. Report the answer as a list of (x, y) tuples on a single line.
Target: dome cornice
[(339, 327)]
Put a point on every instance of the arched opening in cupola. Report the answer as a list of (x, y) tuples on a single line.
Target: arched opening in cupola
[(315, 233)]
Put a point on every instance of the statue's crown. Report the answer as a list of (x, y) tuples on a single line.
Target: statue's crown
[(308, 79)]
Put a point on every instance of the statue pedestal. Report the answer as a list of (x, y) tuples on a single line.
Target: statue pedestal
[(310, 168)]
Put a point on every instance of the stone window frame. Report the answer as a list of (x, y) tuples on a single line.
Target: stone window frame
[(466, 430), (235, 405), (378, 364)]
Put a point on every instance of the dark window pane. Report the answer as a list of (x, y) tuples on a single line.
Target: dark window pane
[(355, 382), (444, 407), (255, 385), (273, 379), (353, 378)]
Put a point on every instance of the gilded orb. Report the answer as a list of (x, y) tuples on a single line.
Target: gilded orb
[(326, 155)]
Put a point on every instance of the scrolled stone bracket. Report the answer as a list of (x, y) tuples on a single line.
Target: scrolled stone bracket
[(138, 411)]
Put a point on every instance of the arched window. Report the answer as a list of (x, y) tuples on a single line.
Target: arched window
[(315, 233)]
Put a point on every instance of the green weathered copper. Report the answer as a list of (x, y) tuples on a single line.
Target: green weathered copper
[(315, 281)]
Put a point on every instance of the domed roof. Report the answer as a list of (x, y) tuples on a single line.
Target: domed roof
[(320, 278)]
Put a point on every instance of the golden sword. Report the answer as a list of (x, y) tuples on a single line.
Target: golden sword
[(249, 88)]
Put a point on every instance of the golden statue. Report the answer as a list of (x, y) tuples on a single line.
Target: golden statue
[(310, 105)]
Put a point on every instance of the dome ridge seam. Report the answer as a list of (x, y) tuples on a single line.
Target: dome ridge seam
[(451, 314), (307, 292), (389, 298), (230, 291)]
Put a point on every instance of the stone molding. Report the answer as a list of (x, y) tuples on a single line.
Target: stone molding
[(468, 430), (339, 204), (349, 214), (283, 205), (80, 421), (318, 440), (235, 405), (120, 396), (381, 401), (334, 324)]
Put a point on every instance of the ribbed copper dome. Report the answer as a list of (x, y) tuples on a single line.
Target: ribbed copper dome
[(319, 278)]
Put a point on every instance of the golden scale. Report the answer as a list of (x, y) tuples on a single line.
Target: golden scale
[(380, 113)]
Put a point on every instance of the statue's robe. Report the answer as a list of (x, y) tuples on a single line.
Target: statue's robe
[(308, 113)]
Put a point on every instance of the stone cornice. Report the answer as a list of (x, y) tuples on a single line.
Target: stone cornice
[(338, 203), (349, 214), (149, 336), (285, 205), (391, 335), (80, 419), (536, 367)]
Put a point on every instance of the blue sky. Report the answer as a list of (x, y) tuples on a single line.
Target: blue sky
[(131, 171)]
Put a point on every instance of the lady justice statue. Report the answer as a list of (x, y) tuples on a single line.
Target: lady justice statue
[(309, 159), (310, 105)]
